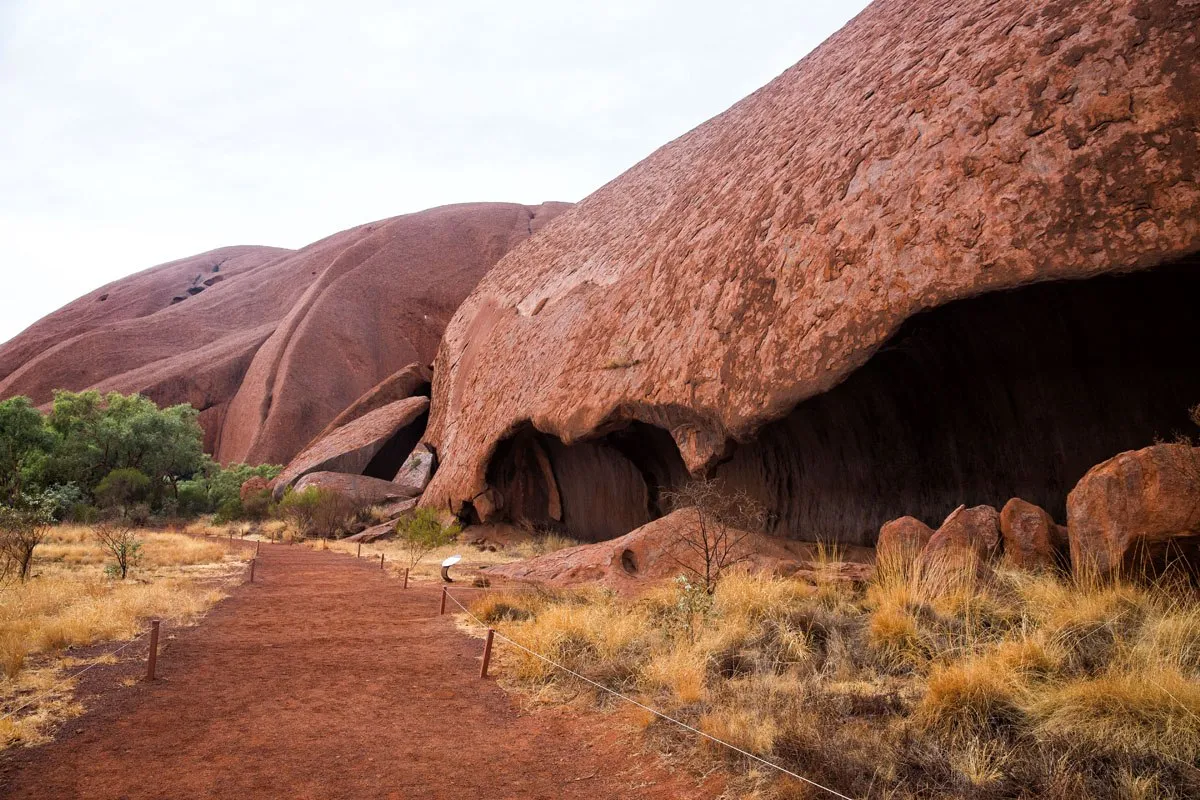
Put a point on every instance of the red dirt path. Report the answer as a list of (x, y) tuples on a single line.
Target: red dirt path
[(324, 679)]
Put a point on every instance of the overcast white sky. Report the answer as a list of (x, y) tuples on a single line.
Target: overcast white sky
[(135, 133)]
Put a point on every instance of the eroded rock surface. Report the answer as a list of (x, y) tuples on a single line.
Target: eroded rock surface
[(1138, 509), (271, 344), (1032, 540), (927, 153), (903, 539), (655, 552), (417, 471), (968, 534), (360, 488), (353, 447)]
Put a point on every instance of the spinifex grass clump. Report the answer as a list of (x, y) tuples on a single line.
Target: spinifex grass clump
[(932, 680)]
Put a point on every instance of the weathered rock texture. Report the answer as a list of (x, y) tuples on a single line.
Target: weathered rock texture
[(360, 488), (1032, 540), (655, 552), (271, 344), (735, 290), (967, 534), (1138, 509), (903, 539), (374, 445), (410, 381)]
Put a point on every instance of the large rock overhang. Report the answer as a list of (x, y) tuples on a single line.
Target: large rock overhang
[(923, 155)]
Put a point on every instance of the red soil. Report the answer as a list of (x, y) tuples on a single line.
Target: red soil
[(324, 679)]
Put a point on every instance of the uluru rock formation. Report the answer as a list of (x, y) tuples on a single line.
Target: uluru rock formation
[(948, 258), (271, 345)]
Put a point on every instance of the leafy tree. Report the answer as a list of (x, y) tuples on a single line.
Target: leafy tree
[(121, 488), (422, 532), (98, 434), (25, 443)]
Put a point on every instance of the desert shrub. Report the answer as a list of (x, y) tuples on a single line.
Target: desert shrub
[(421, 532), (725, 518), (121, 541), (21, 531)]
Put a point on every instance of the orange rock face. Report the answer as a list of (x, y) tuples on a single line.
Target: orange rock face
[(735, 290), (1031, 539), (903, 538), (375, 445), (655, 552), (1137, 509), (972, 533), (270, 344)]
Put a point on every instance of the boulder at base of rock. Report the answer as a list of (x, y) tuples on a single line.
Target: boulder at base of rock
[(656, 552), (386, 529), (413, 380), (902, 539), (967, 531), (362, 489), (1139, 509), (1031, 539), (351, 447), (414, 476)]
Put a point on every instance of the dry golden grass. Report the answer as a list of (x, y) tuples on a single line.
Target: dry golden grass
[(931, 680), (69, 602)]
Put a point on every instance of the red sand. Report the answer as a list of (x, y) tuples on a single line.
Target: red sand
[(324, 679)]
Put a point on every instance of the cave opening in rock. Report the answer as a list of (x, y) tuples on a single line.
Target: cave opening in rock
[(593, 490), (391, 457), (1010, 394)]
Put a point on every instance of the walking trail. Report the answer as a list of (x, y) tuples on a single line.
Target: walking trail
[(324, 679)]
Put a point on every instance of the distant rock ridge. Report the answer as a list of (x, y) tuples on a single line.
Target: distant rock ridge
[(272, 344)]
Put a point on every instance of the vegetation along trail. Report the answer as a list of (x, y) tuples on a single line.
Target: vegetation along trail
[(325, 679)]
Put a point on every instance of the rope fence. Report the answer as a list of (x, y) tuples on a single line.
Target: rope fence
[(151, 657), (758, 759)]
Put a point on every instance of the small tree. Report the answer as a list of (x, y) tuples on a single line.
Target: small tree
[(121, 488), (422, 532), (21, 531), (724, 520), (119, 540)]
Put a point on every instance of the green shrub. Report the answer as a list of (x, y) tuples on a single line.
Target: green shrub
[(122, 488), (422, 532)]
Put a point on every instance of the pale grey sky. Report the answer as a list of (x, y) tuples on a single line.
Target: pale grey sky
[(141, 131)]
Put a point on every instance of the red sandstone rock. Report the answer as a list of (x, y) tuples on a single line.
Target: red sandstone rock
[(418, 468), (1031, 539), (967, 531), (364, 490), (926, 153), (1137, 508), (285, 340), (903, 539), (397, 386), (253, 487), (352, 447), (653, 552)]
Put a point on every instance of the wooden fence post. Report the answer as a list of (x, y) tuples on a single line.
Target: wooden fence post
[(152, 656), (487, 653), (252, 562), (359, 555), (406, 577), (442, 610), (381, 560)]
